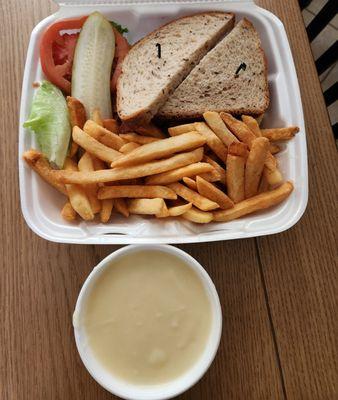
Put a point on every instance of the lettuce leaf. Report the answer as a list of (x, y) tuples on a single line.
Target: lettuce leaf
[(49, 119)]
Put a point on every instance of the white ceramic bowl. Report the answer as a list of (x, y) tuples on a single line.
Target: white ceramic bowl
[(170, 389)]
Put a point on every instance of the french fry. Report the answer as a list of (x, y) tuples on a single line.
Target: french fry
[(263, 185), (215, 122), (74, 147), (176, 175), (77, 196), (213, 141), (259, 119), (239, 149), (235, 177), (254, 165), (121, 207), (149, 129), (135, 171), (193, 197), (179, 210), (98, 164), (160, 148), (103, 135), (146, 206), (106, 209), (96, 116), (211, 176), (274, 148), (217, 167), (128, 147), (256, 203), (41, 166), (239, 128), (277, 134), (164, 213), (94, 147), (68, 213), (86, 164), (111, 124), (211, 192), (190, 183), (77, 112), (139, 139), (252, 124), (136, 191), (198, 216), (178, 130), (144, 129)]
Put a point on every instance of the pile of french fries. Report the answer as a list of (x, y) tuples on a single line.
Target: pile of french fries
[(217, 170)]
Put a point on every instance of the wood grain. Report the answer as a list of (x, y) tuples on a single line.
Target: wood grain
[(277, 293), (300, 265)]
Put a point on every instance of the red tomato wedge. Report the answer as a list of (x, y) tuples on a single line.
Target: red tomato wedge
[(121, 49), (57, 53)]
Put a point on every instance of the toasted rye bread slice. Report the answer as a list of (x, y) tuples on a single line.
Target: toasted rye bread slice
[(147, 81), (213, 84)]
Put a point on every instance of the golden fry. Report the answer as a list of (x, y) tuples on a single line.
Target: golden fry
[(41, 166), (86, 164), (164, 213), (235, 177), (274, 148), (161, 148), (256, 203), (263, 185), (135, 171), (103, 135), (106, 209), (121, 207), (221, 171), (252, 124), (178, 130), (136, 191), (276, 134), (215, 122), (68, 213), (139, 139), (146, 206), (193, 197), (94, 147), (213, 141), (97, 117), (198, 216), (247, 136), (190, 183), (211, 176), (211, 192), (77, 196), (254, 165), (111, 124), (239, 149), (179, 210), (77, 112), (176, 175), (128, 147)]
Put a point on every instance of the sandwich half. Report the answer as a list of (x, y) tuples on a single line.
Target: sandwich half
[(232, 77), (159, 62)]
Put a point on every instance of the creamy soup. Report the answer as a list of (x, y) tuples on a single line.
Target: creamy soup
[(147, 317)]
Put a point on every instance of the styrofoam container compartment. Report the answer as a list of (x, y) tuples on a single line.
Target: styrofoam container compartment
[(41, 204)]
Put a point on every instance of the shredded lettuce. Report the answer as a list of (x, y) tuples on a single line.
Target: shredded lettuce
[(119, 27), (49, 119)]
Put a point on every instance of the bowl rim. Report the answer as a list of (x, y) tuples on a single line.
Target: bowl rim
[(161, 391)]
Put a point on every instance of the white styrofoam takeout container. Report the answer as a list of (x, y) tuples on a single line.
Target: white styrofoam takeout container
[(41, 204), (148, 392)]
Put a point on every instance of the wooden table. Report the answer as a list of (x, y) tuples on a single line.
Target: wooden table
[(278, 293)]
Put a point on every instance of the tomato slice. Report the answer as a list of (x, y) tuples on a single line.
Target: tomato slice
[(57, 52), (121, 49)]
